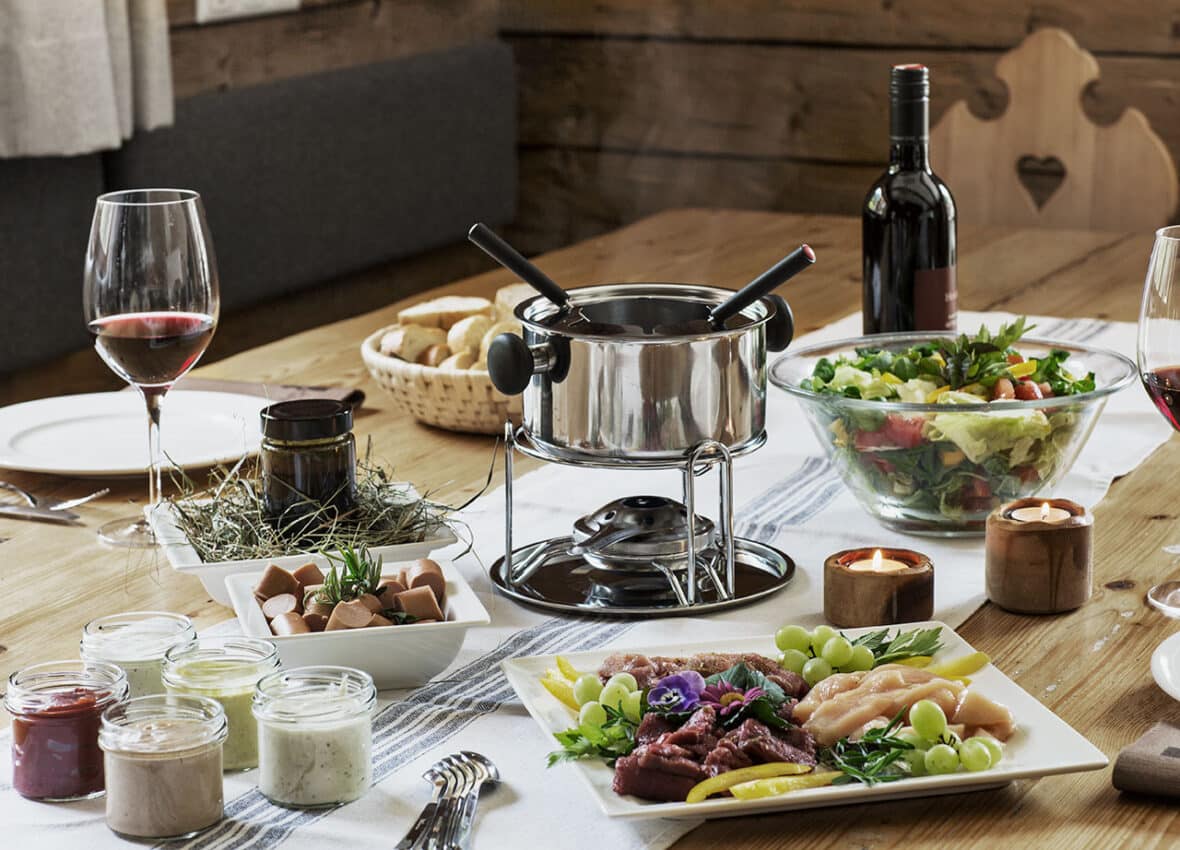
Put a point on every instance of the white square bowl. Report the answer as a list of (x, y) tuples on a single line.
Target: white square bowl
[(395, 656), (184, 558)]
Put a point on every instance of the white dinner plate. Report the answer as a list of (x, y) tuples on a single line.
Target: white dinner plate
[(1043, 743), (1165, 666), (104, 434)]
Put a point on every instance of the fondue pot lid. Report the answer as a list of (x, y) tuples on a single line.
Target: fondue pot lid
[(639, 526)]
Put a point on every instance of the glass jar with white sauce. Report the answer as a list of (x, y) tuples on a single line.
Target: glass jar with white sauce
[(225, 669), (136, 642), (315, 735), (162, 759)]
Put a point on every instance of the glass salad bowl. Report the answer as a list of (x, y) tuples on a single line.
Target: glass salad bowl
[(929, 460)]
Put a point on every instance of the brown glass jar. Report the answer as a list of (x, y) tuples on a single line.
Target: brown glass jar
[(308, 463)]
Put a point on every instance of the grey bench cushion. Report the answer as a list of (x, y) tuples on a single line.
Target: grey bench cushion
[(310, 178), (45, 209)]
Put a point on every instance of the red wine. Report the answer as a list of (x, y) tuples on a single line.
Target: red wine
[(152, 349), (908, 223), (1163, 385)]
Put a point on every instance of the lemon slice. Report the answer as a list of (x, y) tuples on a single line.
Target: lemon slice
[(958, 668), (760, 788), (725, 781), (566, 668), (561, 689)]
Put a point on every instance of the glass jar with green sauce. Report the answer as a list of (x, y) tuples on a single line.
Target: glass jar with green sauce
[(308, 464), (136, 642), (225, 669), (315, 735)]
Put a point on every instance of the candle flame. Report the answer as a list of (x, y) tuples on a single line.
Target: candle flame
[(877, 561), (1044, 511)]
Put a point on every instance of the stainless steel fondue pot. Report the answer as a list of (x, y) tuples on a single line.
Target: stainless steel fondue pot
[(641, 372)]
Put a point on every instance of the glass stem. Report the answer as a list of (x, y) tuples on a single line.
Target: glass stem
[(153, 398)]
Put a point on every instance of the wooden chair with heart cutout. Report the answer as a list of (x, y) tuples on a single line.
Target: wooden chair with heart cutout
[(1119, 177)]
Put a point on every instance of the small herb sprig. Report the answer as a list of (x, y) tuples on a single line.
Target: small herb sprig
[(871, 759), (612, 740), (353, 574), (910, 644)]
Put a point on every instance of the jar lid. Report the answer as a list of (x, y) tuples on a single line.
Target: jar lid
[(162, 723), (306, 419)]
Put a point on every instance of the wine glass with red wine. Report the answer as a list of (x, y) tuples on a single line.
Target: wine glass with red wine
[(150, 299), (1159, 358)]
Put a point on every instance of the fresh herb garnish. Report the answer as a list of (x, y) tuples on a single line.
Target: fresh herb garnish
[(902, 645), (871, 759), (981, 359), (612, 740), (359, 573)]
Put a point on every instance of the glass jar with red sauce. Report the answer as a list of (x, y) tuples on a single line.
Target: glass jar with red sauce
[(56, 711)]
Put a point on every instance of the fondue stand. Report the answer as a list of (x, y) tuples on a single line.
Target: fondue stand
[(640, 555)]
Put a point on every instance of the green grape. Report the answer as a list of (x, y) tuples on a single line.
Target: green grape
[(793, 637), (816, 670), (613, 694), (994, 748), (975, 755), (913, 738), (592, 714), (624, 679), (949, 737), (941, 758), (633, 706), (587, 688), (916, 759), (927, 719), (793, 660), (820, 636), (837, 651), (862, 659)]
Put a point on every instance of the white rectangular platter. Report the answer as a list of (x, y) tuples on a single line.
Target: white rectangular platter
[(1043, 744)]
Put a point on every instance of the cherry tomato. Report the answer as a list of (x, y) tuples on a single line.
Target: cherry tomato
[(906, 433), (1027, 391), (1003, 389), (1013, 359), (1027, 474)]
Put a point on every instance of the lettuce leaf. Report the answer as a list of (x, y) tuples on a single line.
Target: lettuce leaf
[(982, 435)]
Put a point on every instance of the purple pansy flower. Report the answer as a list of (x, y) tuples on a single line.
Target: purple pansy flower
[(728, 699), (678, 692)]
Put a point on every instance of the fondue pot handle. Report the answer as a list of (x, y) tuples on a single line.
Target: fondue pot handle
[(512, 362), (780, 329)]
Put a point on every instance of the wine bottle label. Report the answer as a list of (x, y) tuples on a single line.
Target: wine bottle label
[(936, 299)]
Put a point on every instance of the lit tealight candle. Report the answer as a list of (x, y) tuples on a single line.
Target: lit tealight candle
[(878, 564), (1045, 513)]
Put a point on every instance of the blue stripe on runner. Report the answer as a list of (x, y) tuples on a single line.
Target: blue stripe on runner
[(445, 706), (781, 496)]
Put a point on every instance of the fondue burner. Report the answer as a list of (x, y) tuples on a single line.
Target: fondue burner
[(640, 555)]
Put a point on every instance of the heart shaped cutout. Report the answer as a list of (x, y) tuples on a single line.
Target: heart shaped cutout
[(1041, 177)]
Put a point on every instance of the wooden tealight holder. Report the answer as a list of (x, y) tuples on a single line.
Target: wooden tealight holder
[(1035, 566), (868, 597)]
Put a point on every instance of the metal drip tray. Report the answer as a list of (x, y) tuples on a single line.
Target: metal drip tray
[(564, 581)]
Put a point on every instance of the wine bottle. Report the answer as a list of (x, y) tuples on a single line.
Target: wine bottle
[(908, 222)]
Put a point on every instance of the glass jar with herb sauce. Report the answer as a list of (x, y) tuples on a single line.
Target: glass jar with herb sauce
[(162, 758), (225, 669), (56, 710), (308, 464), (315, 735), (136, 642)]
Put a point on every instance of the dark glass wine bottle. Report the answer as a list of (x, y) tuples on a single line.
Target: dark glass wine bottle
[(908, 229)]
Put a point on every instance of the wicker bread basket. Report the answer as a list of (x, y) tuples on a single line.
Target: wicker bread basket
[(455, 400)]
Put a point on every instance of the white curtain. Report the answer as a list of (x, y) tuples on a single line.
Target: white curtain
[(78, 76)]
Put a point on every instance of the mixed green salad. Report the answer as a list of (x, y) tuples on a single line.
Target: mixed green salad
[(964, 460)]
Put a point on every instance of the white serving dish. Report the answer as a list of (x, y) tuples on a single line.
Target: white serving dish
[(184, 558), (1165, 666), (395, 656), (1043, 744)]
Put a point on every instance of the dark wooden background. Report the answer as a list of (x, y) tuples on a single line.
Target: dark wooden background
[(632, 106)]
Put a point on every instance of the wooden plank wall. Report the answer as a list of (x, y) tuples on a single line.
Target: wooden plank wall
[(631, 106)]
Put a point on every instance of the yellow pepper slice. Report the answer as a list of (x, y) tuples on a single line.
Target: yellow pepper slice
[(760, 788), (562, 689), (567, 669), (933, 397), (724, 781), (1021, 370), (890, 378), (915, 661), (958, 668)]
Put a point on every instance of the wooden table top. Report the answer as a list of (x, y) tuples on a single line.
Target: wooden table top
[(1091, 667)]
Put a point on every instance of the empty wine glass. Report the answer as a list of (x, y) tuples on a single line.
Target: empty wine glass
[(1159, 360), (150, 299)]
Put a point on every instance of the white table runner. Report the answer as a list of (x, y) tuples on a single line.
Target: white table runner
[(786, 493)]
